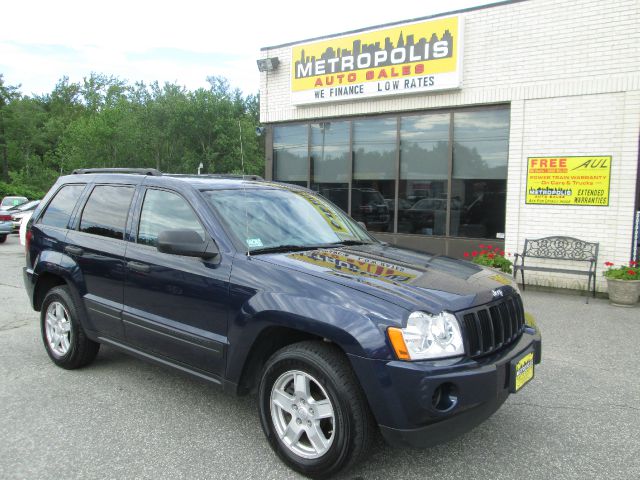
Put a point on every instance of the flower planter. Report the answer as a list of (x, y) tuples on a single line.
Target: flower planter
[(623, 293)]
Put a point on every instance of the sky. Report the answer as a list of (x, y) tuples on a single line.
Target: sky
[(182, 42)]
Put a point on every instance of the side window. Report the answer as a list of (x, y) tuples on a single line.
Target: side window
[(164, 210), (106, 211), (60, 208)]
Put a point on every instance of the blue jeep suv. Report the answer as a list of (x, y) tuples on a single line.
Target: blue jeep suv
[(269, 288)]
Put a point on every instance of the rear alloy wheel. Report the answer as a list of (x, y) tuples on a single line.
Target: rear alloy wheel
[(58, 329), (312, 409), (64, 339)]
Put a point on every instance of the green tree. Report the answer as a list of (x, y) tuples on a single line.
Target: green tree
[(8, 94)]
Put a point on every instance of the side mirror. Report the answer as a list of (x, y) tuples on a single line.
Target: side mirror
[(186, 242), (363, 225)]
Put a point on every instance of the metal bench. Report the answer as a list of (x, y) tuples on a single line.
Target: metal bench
[(559, 248)]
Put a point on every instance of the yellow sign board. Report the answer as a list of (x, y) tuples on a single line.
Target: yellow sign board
[(413, 57), (568, 180), (524, 370)]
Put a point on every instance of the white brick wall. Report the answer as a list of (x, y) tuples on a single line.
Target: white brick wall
[(571, 71), (599, 124)]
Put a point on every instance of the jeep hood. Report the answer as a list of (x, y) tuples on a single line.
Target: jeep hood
[(407, 278)]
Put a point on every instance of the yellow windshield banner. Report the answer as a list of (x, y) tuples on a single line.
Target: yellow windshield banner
[(568, 180), (413, 57), (329, 215)]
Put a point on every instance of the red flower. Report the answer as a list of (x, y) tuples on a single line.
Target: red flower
[(631, 272), (483, 252), (608, 264), (481, 246), (502, 253), (466, 254), (633, 263), (474, 253), (497, 249), (491, 256), (489, 247)]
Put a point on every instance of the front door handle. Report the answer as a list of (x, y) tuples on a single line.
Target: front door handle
[(139, 267), (77, 251)]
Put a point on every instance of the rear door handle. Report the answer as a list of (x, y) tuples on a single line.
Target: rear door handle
[(77, 251), (139, 267)]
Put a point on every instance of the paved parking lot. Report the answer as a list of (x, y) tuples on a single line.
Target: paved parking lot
[(122, 418)]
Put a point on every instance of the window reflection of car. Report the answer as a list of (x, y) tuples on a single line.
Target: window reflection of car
[(367, 206), (426, 216)]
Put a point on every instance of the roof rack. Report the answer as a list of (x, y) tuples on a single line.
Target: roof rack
[(135, 171), (221, 175)]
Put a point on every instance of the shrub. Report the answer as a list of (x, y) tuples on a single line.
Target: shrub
[(490, 256), (622, 272)]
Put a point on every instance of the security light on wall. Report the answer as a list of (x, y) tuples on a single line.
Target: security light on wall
[(268, 64)]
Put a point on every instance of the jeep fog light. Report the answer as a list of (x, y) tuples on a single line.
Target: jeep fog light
[(427, 337)]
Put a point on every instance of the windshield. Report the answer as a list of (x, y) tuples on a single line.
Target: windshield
[(268, 218)]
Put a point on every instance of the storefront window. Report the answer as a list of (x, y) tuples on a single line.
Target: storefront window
[(457, 172), (330, 161), (374, 161), (290, 154), (424, 165), (479, 181)]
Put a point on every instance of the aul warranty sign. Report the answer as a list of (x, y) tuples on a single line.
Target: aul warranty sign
[(578, 181), (411, 58)]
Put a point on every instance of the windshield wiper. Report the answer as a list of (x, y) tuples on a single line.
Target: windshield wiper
[(346, 243), (284, 248)]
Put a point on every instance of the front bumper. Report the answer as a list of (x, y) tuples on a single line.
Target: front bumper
[(404, 395)]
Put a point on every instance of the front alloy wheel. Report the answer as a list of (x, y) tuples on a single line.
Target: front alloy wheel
[(313, 410), (302, 414)]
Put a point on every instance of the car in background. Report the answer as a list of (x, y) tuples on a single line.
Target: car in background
[(12, 201), (367, 206), (21, 211), (6, 226)]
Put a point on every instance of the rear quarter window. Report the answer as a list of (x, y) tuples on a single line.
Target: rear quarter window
[(59, 209)]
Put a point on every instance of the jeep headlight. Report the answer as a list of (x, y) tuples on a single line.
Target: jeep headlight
[(427, 337)]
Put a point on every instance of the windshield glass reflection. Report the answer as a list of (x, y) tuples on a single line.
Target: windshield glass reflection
[(265, 218)]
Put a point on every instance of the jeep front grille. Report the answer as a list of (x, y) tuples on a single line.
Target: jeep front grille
[(493, 326)]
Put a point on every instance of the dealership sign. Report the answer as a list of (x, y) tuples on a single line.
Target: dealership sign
[(568, 180), (414, 57)]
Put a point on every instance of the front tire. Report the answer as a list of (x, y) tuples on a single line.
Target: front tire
[(312, 409), (3, 238), (64, 339)]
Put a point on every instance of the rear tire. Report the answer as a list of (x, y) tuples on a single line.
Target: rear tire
[(313, 411), (64, 339)]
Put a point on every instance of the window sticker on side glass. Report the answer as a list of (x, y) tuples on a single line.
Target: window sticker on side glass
[(254, 242)]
